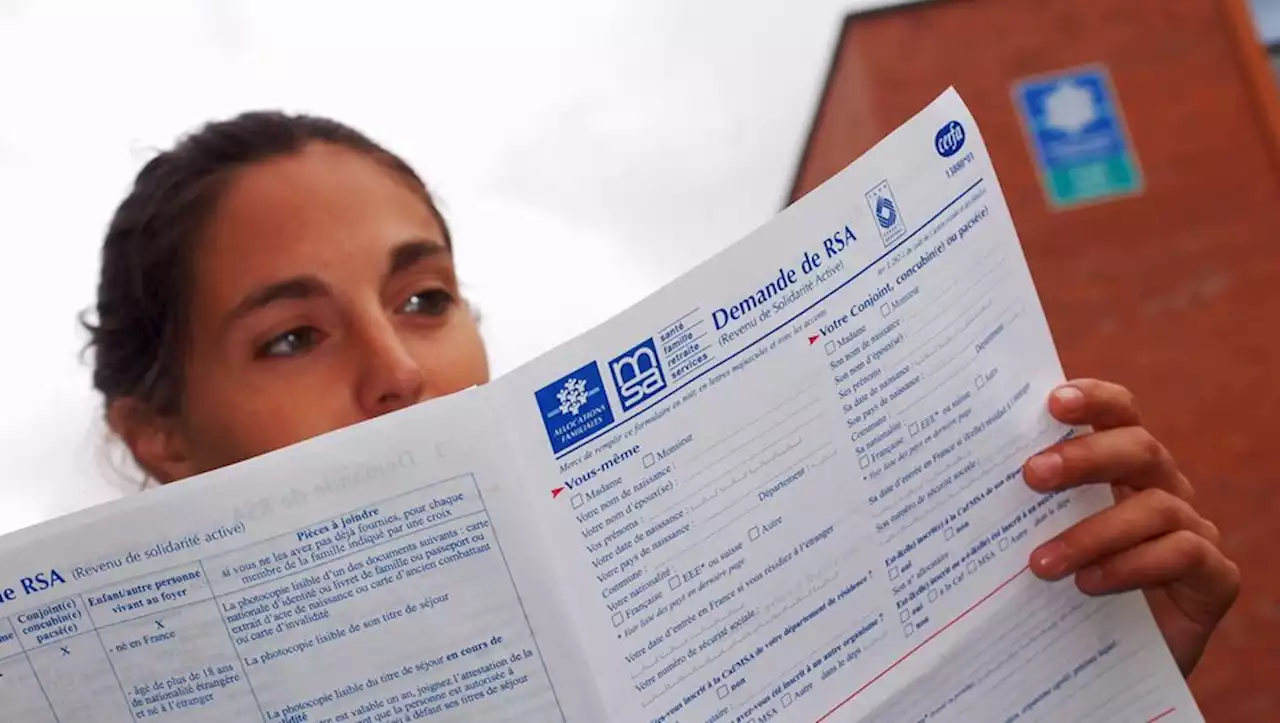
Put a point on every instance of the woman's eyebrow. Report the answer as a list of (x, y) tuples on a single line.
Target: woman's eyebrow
[(402, 258), (299, 287), (408, 254)]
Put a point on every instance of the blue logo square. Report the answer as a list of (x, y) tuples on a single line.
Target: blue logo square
[(1072, 117), (637, 374), (1078, 137), (574, 407), (884, 207)]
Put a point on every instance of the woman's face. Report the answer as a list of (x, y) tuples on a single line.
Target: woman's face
[(323, 295)]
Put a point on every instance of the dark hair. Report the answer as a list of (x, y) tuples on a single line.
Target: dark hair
[(139, 336)]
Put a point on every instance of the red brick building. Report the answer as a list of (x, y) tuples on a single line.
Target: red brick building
[(1174, 291)]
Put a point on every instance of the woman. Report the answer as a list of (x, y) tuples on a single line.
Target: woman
[(276, 277)]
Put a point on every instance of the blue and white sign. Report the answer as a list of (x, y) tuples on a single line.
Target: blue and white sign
[(637, 374), (1078, 137), (574, 406)]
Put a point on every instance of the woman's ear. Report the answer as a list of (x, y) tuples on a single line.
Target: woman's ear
[(156, 442)]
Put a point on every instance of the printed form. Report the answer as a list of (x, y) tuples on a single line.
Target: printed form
[(806, 502), (784, 488), (351, 579)]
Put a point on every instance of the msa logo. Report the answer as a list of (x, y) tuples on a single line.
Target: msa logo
[(950, 139), (637, 375)]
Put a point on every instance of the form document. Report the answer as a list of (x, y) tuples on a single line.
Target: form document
[(786, 487)]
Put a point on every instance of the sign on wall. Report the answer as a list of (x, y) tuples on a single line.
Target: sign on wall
[(1078, 137)]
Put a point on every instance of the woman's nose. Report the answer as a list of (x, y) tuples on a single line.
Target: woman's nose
[(391, 378)]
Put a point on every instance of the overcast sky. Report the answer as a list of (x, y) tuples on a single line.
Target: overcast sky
[(1266, 14), (585, 152)]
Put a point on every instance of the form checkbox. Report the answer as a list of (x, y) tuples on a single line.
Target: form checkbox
[(675, 581), (648, 460), (933, 595), (893, 573), (786, 699), (617, 619), (1004, 543), (577, 501), (949, 533), (753, 533), (864, 461), (722, 692), (905, 616), (979, 381), (885, 310), (915, 428), (908, 629), (830, 347), (972, 567)]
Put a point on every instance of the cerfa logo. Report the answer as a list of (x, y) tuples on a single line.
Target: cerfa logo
[(950, 139), (637, 374)]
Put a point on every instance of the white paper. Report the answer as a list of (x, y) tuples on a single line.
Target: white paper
[(826, 511), (344, 579), (786, 487)]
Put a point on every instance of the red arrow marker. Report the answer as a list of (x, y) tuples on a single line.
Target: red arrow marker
[(813, 339), (556, 492)]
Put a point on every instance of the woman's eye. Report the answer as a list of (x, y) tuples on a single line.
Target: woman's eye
[(291, 343), (429, 302)]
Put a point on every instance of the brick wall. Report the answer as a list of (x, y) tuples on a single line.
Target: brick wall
[(1175, 293)]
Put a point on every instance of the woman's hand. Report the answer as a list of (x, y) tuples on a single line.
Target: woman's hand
[(1152, 539)]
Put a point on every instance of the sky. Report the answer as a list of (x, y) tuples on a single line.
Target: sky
[(1266, 13), (585, 152)]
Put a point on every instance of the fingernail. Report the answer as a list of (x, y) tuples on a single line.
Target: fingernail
[(1045, 469), (1069, 397), (1051, 559)]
